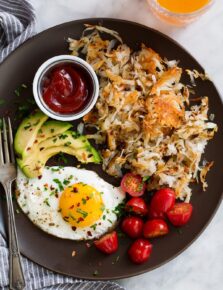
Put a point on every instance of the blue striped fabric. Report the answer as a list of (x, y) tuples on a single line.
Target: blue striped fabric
[(17, 21)]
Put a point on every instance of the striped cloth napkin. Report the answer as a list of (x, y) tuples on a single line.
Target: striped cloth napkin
[(17, 21)]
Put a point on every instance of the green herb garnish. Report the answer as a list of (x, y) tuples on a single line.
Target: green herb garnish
[(93, 226), (146, 178), (46, 201), (82, 212), (2, 101), (62, 158), (58, 182)]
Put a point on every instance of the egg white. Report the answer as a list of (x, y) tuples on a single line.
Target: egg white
[(42, 208)]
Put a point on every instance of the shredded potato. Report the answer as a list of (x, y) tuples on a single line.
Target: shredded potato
[(143, 114)]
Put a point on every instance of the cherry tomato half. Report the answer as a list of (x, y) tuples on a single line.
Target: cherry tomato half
[(162, 201), (107, 244), (140, 251), (180, 214), (155, 228), (137, 205), (133, 184), (132, 226)]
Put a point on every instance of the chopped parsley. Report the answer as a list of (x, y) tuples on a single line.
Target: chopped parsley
[(2, 101), (46, 201), (84, 200), (66, 182), (71, 216), (62, 158), (17, 92), (93, 226), (28, 126), (52, 130), (55, 169), (67, 144), (102, 207), (63, 136), (109, 221), (82, 212), (119, 210), (95, 273), (58, 182), (75, 135), (146, 178), (104, 217)]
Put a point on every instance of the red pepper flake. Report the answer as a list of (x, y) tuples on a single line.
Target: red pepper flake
[(89, 233), (84, 156), (74, 189), (28, 148), (51, 187), (78, 204), (56, 195), (74, 228), (46, 185), (40, 176), (80, 219), (36, 141), (71, 207), (87, 197)]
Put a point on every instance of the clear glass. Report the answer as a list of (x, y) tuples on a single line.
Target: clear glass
[(177, 19)]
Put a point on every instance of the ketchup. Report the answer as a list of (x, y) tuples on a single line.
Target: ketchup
[(67, 89)]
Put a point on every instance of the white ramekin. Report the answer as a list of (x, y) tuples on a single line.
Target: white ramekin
[(48, 65)]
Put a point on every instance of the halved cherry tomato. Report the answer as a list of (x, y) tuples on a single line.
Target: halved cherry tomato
[(162, 201), (137, 205), (132, 226), (180, 214), (108, 244), (140, 251), (155, 228), (133, 184)]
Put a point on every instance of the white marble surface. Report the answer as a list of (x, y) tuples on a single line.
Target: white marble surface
[(201, 266)]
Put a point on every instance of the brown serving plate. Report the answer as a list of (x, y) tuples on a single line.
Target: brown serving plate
[(55, 254)]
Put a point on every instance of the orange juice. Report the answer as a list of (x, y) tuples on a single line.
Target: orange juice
[(179, 12), (183, 6)]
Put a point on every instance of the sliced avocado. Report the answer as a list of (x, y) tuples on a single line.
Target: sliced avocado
[(68, 142), (27, 132), (52, 128)]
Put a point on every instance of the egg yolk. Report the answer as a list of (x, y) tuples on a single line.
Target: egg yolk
[(81, 205)]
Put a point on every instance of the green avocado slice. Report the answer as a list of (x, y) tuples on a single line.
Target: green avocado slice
[(68, 142), (27, 132)]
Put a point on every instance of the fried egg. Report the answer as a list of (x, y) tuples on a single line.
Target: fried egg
[(69, 203)]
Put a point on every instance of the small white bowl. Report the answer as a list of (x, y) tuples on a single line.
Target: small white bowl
[(49, 65)]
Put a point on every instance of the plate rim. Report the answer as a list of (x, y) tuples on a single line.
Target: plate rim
[(101, 19)]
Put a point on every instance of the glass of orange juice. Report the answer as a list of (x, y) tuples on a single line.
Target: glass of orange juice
[(179, 12)]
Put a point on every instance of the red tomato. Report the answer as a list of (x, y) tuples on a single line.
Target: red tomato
[(155, 228), (180, 214), (133, 184), (140, 251), (132, 226), (137, 205), (108, 244), (162, 201)]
